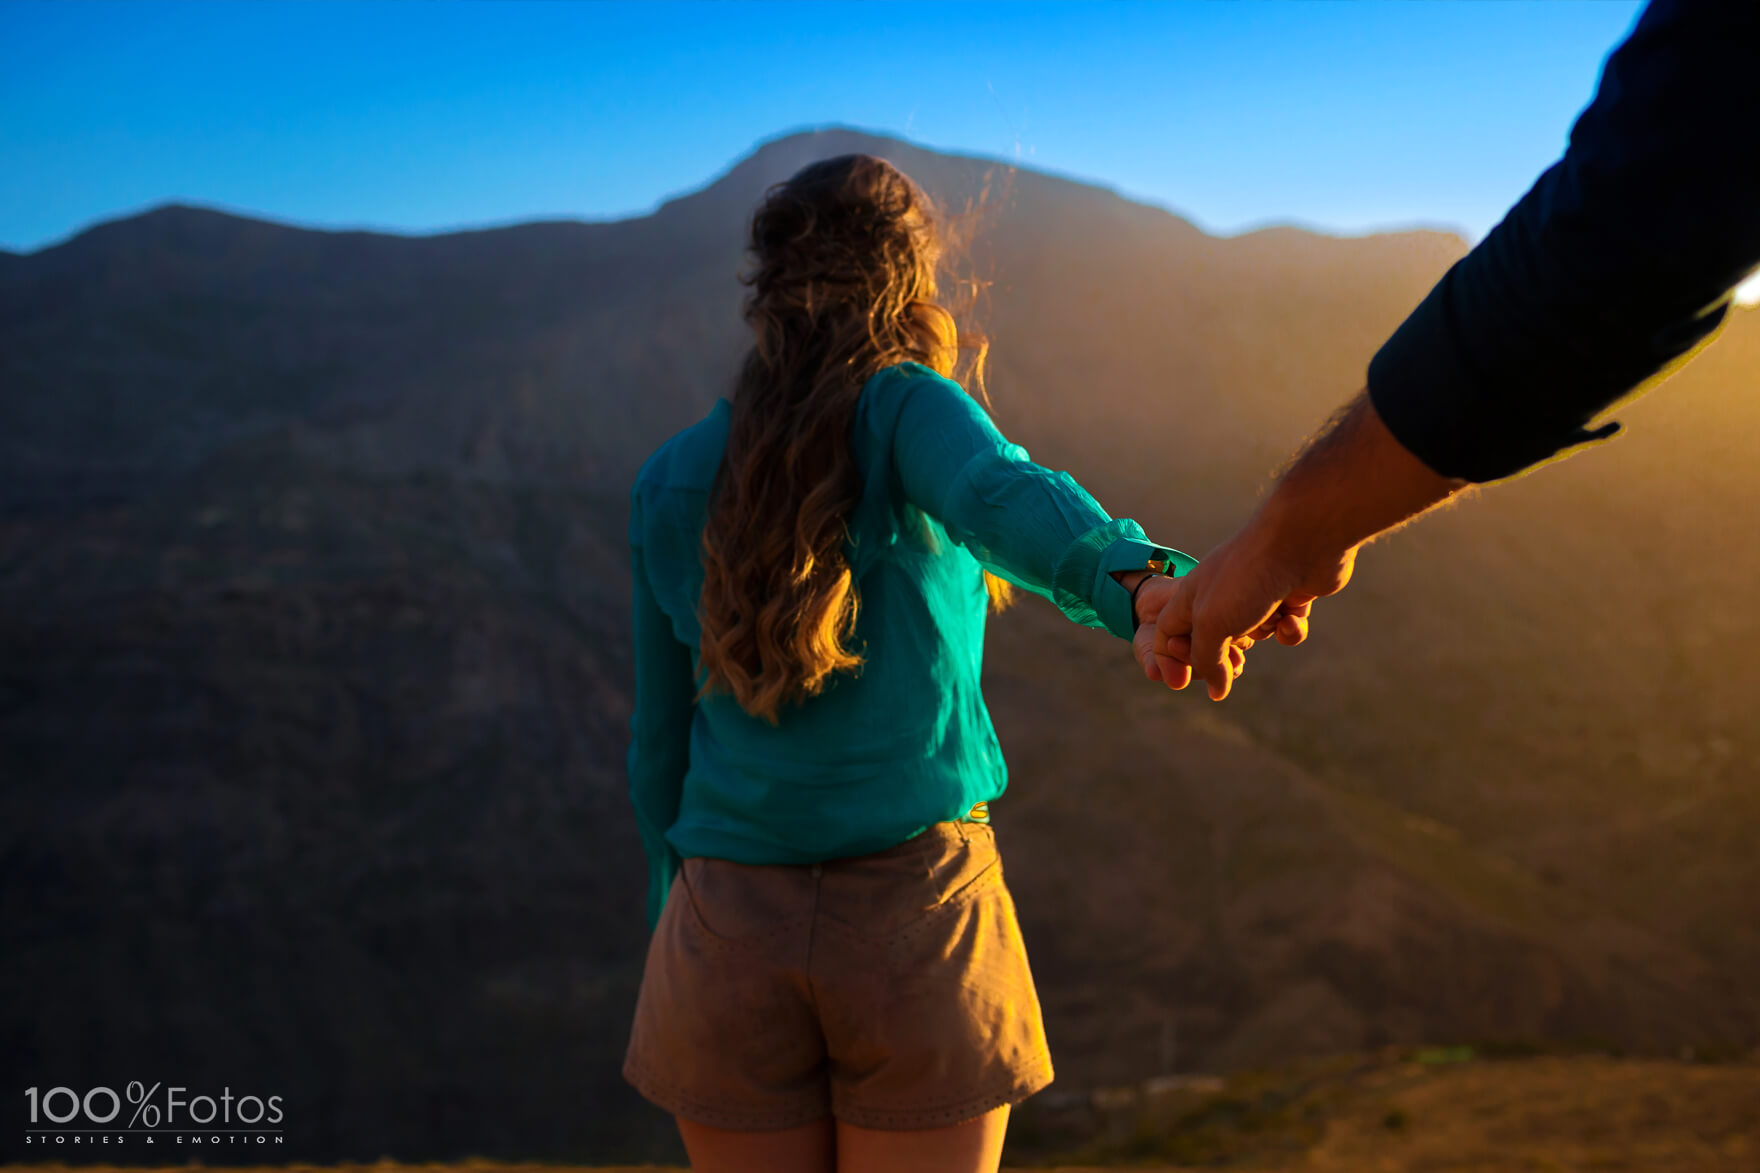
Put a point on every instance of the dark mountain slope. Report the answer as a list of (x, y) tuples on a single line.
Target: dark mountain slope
[(314, 677)]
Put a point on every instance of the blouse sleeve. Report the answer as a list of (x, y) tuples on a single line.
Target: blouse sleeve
[(1036, 528), (659, 750)]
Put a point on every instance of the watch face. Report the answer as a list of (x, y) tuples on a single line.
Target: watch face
[(1174, 565)]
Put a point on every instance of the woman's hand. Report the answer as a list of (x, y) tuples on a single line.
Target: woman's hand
[(1175, 668), (1351, 483)]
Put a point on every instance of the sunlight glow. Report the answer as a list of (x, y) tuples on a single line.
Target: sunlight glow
[(1748, 292)]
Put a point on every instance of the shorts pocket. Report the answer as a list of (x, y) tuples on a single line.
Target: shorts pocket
[(733, 905), (961, 957), (948, 882)]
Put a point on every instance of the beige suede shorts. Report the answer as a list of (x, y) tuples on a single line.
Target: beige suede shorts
[(888, 990)]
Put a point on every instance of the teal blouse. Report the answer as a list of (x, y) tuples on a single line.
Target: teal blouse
[(905, 742)]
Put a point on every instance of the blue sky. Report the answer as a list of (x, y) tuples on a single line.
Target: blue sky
[(422, 116)]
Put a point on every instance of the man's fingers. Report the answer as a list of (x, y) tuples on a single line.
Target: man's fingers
[(1176, 674), (1179, 647), (1176, 617), (1175, 662), (1172, 670), (1207, 662), (1292, 630)]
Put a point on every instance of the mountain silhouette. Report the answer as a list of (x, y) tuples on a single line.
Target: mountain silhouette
[(315, 676)]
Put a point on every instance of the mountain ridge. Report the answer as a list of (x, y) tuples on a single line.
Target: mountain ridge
[(312, 581), (804, 143)]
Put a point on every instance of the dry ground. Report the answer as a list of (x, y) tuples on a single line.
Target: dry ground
[(1411, 1113)]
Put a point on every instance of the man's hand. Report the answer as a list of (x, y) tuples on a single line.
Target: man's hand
[(1253, 586), (1351, 483), (1174, 666)]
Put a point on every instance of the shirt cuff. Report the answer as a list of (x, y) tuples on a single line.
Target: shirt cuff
[(1083, 587)]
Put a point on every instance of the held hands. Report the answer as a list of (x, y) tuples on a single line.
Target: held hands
[(1256, 585), (1174, 665), (1351, 483)]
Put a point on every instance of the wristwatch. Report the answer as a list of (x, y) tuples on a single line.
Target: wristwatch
[(1153, 573)]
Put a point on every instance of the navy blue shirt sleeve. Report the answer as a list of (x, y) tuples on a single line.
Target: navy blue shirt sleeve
[(1609, 273)]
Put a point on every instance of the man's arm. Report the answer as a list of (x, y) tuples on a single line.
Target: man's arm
[(1352, 482), (1613, 269)]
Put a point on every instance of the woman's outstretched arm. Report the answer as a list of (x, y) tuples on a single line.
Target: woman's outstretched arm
[(1036, 528)]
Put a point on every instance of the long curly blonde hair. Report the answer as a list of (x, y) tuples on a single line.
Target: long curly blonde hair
[(844, 284)]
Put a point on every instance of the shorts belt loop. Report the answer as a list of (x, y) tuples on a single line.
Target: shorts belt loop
[(960, 826)]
